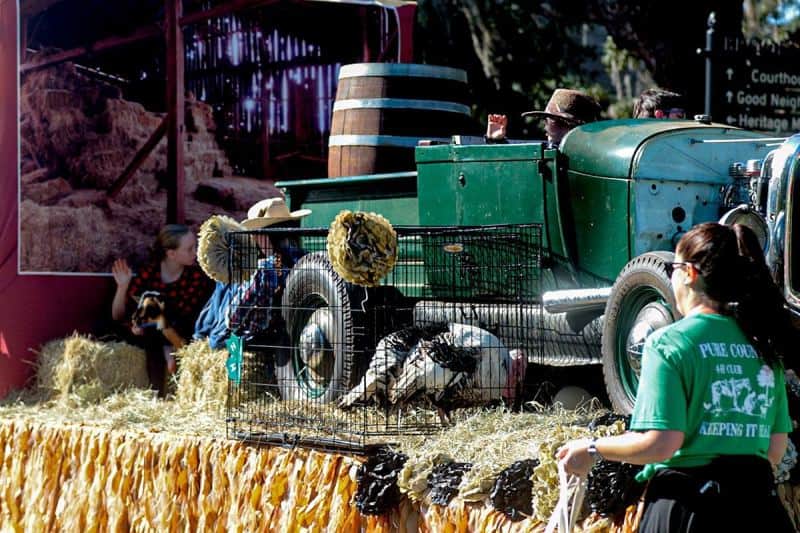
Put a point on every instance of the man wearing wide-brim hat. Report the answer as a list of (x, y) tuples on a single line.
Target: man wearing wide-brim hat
[(255, 303), (245, 297), (214, 241), (271, 211), (566, 109)]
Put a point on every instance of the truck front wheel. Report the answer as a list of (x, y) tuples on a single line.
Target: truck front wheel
[(641, 302)]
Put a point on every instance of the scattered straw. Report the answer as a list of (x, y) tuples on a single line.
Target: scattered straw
[(132, 410), (84, 381), (492, 440)]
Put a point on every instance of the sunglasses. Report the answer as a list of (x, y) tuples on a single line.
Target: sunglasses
[(671, 267)]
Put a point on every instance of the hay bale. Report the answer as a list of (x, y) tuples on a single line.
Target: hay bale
[(47, 192), (82, 131), (202, 377), (89, 369), (73, 240)]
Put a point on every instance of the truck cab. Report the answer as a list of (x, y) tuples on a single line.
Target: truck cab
[(612, 191)]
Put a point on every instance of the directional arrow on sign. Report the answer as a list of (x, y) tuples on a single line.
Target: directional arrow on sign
[(729, 72), (730, 119), (729, 96)]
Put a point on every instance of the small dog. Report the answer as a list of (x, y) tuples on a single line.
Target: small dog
[(151, 311)]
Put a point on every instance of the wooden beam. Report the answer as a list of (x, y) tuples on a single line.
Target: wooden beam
[(225, 8), (33, 7), (365, 48), (138, 159), (173, 10), (23, 39), (29, 8), (406, 16), (144, 33), (141, 34)]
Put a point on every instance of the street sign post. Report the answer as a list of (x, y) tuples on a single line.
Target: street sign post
[(757, 85)]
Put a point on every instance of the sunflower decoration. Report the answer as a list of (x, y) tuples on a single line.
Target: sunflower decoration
[(362, 247), (214, 241)]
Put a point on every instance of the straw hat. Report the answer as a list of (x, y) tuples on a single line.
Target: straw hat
[(362, 247), (570, 106), (271, 211)]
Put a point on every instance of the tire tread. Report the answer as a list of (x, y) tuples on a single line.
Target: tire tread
[(641, 269)]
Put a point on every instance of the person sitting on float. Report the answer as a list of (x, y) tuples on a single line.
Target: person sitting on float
[(248, 307), (566, 109), (255, 304), (659, 103), (181, 284)]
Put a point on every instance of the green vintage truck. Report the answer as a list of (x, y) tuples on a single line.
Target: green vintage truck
[(612, 202)]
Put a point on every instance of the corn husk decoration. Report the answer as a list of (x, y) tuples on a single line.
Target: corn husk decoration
[(216, 236), (362, 247)]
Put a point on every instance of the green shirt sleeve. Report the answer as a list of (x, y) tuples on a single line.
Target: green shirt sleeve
[(661, 401)]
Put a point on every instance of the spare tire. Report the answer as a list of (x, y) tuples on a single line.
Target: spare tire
[(327, 333), (641, 302)]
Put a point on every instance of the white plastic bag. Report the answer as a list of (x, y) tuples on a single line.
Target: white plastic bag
[(570, 500)]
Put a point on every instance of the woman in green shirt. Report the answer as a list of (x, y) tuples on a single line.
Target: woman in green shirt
[(711, 414)]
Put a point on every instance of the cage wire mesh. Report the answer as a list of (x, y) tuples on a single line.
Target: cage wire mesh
[(334, 365)]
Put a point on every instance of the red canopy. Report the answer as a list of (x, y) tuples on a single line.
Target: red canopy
[(33, 308)]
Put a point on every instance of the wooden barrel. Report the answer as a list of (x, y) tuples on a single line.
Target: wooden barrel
[(383, 110)]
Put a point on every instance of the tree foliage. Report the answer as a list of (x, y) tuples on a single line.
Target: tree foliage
[(517, 51), (665, 36), (775, 20)]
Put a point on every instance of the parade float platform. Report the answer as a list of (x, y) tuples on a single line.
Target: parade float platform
[(81, 458)]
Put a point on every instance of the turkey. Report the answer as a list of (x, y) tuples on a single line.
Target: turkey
[(461, 367), (390, 353)]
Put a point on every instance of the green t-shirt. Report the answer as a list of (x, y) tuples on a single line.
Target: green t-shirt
[(701, 376)]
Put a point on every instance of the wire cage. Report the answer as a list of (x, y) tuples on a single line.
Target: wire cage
[(331, 364)]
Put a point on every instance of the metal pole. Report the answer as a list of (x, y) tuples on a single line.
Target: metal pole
[(709, 47)]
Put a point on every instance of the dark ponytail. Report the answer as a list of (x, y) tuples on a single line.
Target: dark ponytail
[(761, 311), (736, 281)]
